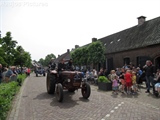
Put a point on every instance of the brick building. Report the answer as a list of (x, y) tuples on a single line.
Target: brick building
[(136, 44)]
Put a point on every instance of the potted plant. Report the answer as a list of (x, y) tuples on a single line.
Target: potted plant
[(104, 83)]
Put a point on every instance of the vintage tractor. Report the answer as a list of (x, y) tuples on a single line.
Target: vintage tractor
[(70, 80), (40, 71)]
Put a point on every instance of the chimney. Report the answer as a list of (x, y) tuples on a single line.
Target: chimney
[(141, 20), (76, 46), (68, 50), (94, 39)]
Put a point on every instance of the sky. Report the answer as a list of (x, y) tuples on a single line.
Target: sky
[(43, 27)]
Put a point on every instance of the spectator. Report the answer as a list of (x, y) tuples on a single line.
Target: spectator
[(122, 81), (106, 72), (101, 72), (157, 76), (134, 82), (149, 70), (4, 73), (118, 71), (139, 75), (113, 74), (94, 76), (139, 71), (157, 85), (128, 81), (9, 74), (115, 85), (28, 71)]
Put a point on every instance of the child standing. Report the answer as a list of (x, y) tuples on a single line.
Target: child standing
[(134, 82), (122, 81), (115, 85), (128, 81)]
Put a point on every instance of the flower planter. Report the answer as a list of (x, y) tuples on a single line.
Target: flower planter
[(104, 86)]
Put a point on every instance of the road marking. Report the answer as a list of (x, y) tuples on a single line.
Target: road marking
[(119, 105), (112, 111), (107, 115)]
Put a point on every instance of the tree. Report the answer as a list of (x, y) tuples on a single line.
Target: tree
[(12, 55), (8, 46), (41, 61), (91, 54), (96, 52), (22, 57), (79, 56), (2, 61), (47, 59)]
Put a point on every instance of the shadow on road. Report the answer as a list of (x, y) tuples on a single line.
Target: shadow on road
[(68, 101), (43, 96)]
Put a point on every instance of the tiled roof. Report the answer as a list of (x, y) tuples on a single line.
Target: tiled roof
[(134, 37), (63, 56)]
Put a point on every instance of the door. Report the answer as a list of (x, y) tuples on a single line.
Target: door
[(110, 64), (157, 63)]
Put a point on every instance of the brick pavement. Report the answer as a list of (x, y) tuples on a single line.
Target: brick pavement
[(33, 103)]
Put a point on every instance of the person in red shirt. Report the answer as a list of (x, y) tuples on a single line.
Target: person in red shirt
[(128, 80), (28, 71)]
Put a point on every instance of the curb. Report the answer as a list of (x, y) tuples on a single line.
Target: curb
[(13, 114)]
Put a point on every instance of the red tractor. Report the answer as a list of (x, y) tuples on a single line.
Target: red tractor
[(71, 81)]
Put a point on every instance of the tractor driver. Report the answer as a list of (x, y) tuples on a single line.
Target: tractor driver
[(61, 67), (52, 64)]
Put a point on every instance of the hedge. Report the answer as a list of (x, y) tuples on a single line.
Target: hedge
[(7, 93)]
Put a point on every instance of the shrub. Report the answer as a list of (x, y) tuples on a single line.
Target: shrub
[(7, 93), (103, 79)]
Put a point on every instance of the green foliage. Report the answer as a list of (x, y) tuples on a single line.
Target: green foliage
[(93, 53), (11, 54), (22, 57), (103, 79), (47, 59), (8, 45), (7, 93), (96, 52)]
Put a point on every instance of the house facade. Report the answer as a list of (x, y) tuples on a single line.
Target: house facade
[(136, 44)]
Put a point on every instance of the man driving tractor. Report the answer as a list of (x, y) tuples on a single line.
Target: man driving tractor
[(52, 64), (61, 67)]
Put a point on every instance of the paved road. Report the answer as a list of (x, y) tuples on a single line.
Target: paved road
[(33, 103)]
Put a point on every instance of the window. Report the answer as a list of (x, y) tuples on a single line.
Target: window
[(141, 60), (126, 60)]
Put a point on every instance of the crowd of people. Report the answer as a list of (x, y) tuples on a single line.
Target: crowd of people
[(10, 73), (128, 78)]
